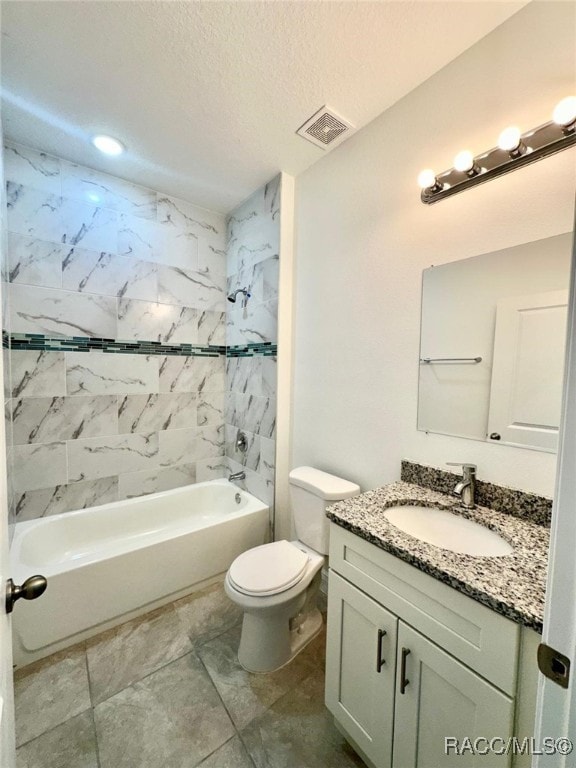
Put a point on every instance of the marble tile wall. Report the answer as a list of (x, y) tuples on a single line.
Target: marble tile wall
[(92, 255), (253, 262)]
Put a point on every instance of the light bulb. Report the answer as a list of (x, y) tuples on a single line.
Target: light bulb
[(464, 161), (510, 139), (108, 145), (426, 179), (565, 111)]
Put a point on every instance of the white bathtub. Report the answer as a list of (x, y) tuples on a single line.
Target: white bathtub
[(107, 564)]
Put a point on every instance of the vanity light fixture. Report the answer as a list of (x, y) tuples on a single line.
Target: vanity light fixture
[(515, 149), (565, 114), (108, 145), (510, 140), (427, 180), (465, 163)]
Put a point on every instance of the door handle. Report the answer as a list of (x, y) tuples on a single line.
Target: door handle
[(403, 681), (32, 588), (379, 660)]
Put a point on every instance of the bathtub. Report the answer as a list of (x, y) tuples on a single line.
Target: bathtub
[(107, 564)]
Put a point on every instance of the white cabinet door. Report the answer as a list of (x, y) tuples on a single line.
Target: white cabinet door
[(443, 698), (528, 369), (7, 753), (360, 669)]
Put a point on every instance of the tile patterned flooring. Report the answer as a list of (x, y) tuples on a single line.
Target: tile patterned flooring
[(166, 691)]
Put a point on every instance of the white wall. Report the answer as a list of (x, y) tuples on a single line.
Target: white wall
[(364, 237), (285, 361)]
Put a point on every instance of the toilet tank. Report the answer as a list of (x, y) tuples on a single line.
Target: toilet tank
[(311, 492)]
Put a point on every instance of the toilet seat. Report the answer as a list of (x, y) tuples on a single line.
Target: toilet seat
[(268, 569)]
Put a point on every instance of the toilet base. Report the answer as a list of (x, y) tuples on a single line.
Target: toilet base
[(289, 639), (306, 632)]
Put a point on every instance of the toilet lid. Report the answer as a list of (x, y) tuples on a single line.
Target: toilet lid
[(268, 569)]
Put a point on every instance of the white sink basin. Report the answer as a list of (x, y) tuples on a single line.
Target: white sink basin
[(448, 531)]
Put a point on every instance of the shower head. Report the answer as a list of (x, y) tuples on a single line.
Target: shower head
[(232, 296)]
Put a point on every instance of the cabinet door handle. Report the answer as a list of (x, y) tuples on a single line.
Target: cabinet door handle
[(403, 681), (379, 660)]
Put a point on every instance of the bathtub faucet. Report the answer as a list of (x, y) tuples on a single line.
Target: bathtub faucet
[(237, 476)]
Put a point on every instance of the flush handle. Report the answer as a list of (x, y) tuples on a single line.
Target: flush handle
[(32, 588), (403, 681), (379, 660)]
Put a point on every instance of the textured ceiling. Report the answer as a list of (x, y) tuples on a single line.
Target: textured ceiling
[(207, 95)]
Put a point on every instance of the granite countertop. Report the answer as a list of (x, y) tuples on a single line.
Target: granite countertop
[(513, 585)]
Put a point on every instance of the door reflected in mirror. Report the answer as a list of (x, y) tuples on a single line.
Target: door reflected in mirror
[(493, 333)]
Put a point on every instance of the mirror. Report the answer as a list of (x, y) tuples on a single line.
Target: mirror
[(492, 342)]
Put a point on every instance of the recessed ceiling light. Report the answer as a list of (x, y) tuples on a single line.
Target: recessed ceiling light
[(108, 145)]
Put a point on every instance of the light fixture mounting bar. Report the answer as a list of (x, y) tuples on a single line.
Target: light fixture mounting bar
[(541, 142)]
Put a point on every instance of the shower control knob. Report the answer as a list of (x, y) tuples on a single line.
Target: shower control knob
[(241, 442), (32, 588)]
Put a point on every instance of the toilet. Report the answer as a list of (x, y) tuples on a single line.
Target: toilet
[(276, 584)]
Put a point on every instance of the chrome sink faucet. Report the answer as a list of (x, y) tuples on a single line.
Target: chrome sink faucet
[(466, 488)]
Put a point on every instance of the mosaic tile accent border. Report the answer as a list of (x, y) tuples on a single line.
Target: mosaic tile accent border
[(511, 501), (266, 349), (37, 341), (28, 341)]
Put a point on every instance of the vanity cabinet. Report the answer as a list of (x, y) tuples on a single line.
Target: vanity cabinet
[(361, 668), (437, 696), (410, 661)]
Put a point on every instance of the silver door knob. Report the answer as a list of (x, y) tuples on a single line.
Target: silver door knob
[(32, 588)]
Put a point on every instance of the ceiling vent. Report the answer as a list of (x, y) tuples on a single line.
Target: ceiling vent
[(326, 128)]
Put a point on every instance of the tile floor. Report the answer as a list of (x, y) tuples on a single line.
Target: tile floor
[(166, 691)]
